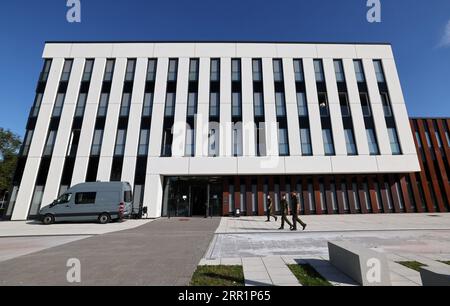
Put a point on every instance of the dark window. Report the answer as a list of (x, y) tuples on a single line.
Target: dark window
[(359, 71), (214, 106), (131, 67), (215, 70), (27, 143), (128, 196), (302, 104), (74, 141), (305, 138), (193, 70), (328, 142), (192, 104), (345, 107), (45, 71), (393, 139), (283, 142), (87, 74), (323, 104), (81, 104), (236, 104), (173, 69), (57, 109), (339, 70), (373, 144), (257, 70), (97, 143), (386, 104), (170, 105), (280, 104), (37, 105), (350, 142), (48, 150), (379, 71), (125, 106), (167, 143), (103, 105), (235, 70), (298, 70), (151, 70), (109, 70), (259, 104), (120, 143), (278, 70), (148, 104), (318, 69), (190, 142), (66, 70), (85, 198), (367, 112), (143, 142)]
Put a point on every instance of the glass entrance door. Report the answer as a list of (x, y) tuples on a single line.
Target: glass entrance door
[(188, 197)]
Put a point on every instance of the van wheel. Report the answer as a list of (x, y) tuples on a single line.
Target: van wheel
[(48, 219), (104, 218)]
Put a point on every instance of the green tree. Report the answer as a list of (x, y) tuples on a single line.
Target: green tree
[(9, 147)]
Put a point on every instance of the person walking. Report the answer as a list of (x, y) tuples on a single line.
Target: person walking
[(284, 213), (269, 210), (295, 218)]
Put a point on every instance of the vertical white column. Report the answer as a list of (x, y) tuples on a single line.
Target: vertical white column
[(88, 126), (398, 107), (27, 185), (153, 191), (64, 132), (112, 118), (355, 107), (179, 128), (159, 102), (202, 120), (313, 107), (134, 121), (377, 108), (291, 107), (269, 108), (226, 140), (153, 195), (335, 108), (248, 125)]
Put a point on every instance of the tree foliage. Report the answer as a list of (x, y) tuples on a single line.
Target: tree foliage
[(9, 147)]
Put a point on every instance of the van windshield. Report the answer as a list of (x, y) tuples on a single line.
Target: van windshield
[(65, 198)]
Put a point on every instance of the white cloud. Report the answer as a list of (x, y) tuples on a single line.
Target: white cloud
[(445, 41)]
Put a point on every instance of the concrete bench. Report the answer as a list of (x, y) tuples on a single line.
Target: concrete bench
[(364, 266), (435, 276)]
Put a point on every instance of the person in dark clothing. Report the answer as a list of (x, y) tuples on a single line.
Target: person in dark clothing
[(269, 210), (295, 218), (284, 213)]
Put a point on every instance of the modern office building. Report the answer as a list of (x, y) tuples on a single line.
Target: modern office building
[(219, 126)]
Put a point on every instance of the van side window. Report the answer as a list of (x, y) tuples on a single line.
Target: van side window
[(127, 197), (85, 198), (65, 198)]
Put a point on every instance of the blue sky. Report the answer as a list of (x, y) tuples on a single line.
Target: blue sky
[(418, 30)]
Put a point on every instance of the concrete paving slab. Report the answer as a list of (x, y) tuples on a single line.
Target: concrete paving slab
[(34, 229), (163, 252)]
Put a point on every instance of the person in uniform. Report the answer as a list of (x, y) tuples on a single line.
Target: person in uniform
[(269, 210), (284, 213), (295, 218)]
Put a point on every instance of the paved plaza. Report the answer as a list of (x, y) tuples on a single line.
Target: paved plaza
[(260, 247)]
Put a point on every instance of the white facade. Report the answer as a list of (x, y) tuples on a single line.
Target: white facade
[(225, 164)]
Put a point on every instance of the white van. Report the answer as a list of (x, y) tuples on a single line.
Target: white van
[(102, 202)]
